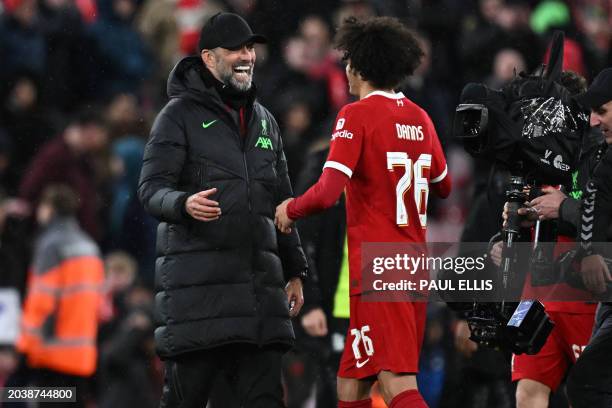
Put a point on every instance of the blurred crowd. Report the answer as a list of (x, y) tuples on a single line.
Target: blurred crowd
[(82, 80)]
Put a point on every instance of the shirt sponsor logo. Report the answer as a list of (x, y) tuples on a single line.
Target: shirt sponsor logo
[(340, 124), (343, 134), (264, 143), (409, 132)]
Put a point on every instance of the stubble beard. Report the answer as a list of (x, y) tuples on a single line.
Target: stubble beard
[(229, 78)]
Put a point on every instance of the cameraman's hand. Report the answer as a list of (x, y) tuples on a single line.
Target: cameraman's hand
[(595, 273), (528, 216), (496, 253), (463, 344), (547, 205)]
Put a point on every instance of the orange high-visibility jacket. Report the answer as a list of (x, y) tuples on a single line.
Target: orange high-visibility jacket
[(60, 317)]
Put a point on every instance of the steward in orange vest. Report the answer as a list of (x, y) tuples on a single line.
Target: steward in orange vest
[(60, 318)]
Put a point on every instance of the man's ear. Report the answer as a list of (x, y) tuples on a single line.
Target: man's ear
[(354, 72), (208, 58)]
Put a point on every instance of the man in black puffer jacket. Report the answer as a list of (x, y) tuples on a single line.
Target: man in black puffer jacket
[(213, 172), (589, 384)]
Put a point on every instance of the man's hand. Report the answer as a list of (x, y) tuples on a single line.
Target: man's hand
[(201, 208), (528, 216), (496, 253), (315, 323), (295, 296), (595, 273), (281, 220), (547, 205), (463, 344)]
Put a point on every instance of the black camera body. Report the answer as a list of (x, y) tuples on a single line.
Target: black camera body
[(518, 327), (521, 327), (534, 128), (533, 120)]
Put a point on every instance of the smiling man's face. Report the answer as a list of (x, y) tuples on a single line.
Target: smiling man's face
[(232, 67), (602, 117)]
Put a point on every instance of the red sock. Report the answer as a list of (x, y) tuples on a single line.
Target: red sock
[(408, 399), (366, 403)]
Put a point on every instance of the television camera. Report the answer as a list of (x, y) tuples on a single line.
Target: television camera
[(533, 129)]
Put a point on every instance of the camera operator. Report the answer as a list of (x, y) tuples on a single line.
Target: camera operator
[(540, 374), (590, 381)]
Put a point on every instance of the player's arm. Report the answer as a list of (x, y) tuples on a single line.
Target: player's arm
[(322, 195), (440, 181), (441, 185)]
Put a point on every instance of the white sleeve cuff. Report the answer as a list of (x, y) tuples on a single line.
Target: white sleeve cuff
[(339, 166), (440, 177)]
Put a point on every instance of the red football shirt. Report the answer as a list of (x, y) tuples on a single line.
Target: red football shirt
[(388, 147)]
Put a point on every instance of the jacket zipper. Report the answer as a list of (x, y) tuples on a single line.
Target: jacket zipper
[(248, 182), (243, 140)]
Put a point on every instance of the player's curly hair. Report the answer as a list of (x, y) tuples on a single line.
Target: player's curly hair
[(381, 49)]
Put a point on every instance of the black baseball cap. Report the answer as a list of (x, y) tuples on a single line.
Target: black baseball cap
[(227, 30), (600, 91)]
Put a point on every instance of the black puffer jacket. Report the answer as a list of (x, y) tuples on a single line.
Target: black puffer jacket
[(222, 281)]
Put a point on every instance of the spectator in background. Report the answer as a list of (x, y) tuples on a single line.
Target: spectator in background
[(285, 78), (360, 9), (120, 274), (190, 16), (296, 121), (498, 24), (22, 43), (593, 20), (157, 23), (7, 183), (68, 67), (506, 65), (14, 247), (579, 52), (65, 160), (124, 116), (26, 120), (124, 59), (131, 229), (423, 90), (60, 318), (322, 62), (130, 373), (170, 29)]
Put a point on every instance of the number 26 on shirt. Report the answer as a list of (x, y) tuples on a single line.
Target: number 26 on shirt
[(413, 177)]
